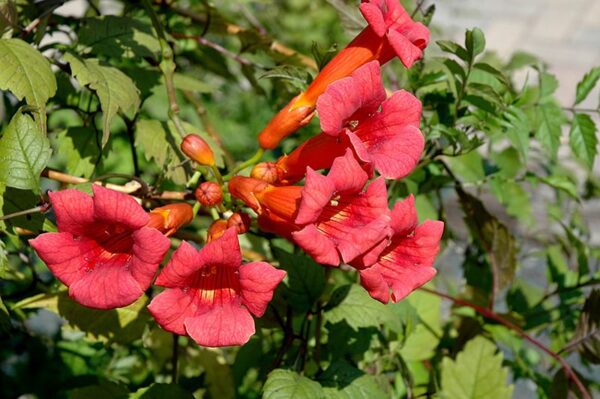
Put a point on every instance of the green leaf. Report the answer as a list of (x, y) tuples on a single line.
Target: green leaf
[(468, 167), (548, 84), (550, 120), (160, 391), (352, 304), (586, 85), (24, 152), (588, 329), (516, 200), (562, 183), (116, 36), (116, 91), (583, 139), (516, 125), (477, 373), (160, 143), (105, 389), (122, 325), (453, 48), (80, 148), (493, 235), (343, 381), (474, 42), (188, 83), (26, 73), (423, 339), (482, 66), (305, 279), (287, 384)]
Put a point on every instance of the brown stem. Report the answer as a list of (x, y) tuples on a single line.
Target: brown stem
[(494, 316)]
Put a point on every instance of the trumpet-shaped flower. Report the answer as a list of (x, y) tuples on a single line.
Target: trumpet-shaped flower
[(406, 262), (210, 295), (355, 113), (332, 217), (103, 250), (390, 32)]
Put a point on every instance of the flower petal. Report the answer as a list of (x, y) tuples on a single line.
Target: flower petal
[(227, 325), (171, 307), (62, 254), (346, 174), (372, 280), (149, 249), (360, 240), (224, 251), (316, 194), (407, 263), (74, 210), (404, 48), (115, 207), (374, 17), (404, 216), (258, 280), (351, 99), (106, 286), (183, 264), (321, 248)]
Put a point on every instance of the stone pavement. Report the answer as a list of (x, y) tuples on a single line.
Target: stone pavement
[(563, 33)]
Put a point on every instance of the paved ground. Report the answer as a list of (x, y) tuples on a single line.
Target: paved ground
[(564, 33)]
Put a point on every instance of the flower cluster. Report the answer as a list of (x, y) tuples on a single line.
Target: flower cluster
[(108, 248), (341, 217)]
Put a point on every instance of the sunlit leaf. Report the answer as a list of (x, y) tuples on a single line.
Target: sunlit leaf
[(586, 85), (287, 384), (583, 138), (352, 304), (476, 373), (24, 152)]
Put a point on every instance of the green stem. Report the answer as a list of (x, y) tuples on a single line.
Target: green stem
[(217, 174), (254, 160), (196, 208), (194, 179)]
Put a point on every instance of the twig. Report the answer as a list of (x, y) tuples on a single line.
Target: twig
[(585, 110), (417, 8), (573, 344), (205, 42), (232, 29), (167, 67), (37, 209), (491, 315)]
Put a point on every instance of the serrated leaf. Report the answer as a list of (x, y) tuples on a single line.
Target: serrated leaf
[(81, 150), (586, 85), (305, 279), (424, 337), (550, 120), (26, 73), (287, 384), (352, 304), (343, 381), (24, 152), (583, 139), (561, 183), (116, 91), (116, 36), (476, 373), (122, 325), (493, 235), (482, 66), (160, 143), (161, 391), (548, 84)]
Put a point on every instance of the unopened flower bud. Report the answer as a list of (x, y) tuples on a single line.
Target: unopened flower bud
[(198, 150), (169, 218), (267, 171), (239, 220), (209, 193), (216, 230)]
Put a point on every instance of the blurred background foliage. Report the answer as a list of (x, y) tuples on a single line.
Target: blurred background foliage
[(512, 311)]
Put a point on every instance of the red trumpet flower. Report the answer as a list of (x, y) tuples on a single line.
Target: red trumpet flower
[(406, 262), (331, 217), (391, 32), (104, 250), (355, 113), (210, 295)]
